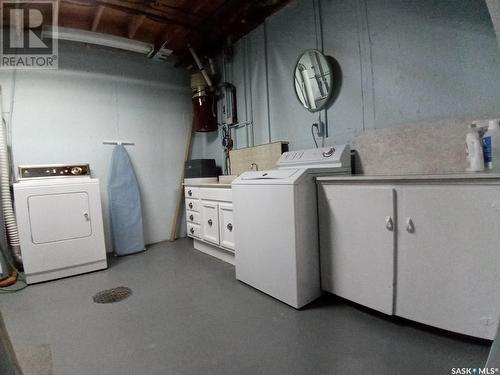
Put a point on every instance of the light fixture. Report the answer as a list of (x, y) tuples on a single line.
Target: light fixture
[(84, 36)]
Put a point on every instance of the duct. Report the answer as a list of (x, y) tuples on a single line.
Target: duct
[(8, 211)]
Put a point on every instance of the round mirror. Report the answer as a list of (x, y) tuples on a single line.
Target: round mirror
[(313, 80)]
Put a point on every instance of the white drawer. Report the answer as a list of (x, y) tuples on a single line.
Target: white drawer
[(192, 192), (193, 205), (193, 217), (193, 230), (216, 194)]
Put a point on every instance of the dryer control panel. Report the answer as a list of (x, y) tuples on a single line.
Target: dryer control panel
[(53, 170)]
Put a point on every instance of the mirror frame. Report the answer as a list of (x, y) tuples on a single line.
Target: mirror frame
[(330, 92)]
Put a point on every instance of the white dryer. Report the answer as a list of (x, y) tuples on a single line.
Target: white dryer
[(59, 215), (276, 224)]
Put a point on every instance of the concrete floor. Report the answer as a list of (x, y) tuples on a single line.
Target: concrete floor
[(188, 315)]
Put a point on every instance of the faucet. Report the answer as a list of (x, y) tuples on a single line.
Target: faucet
[(254, 165)]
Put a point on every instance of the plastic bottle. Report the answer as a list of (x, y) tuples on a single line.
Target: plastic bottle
[(475, 161), (491, 147)]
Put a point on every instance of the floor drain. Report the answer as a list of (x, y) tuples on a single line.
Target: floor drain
[(112, 295)]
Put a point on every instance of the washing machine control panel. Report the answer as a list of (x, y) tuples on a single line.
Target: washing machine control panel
[(334, 156), (53, 170)]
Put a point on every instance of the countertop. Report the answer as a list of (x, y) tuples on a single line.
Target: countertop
[(207, 184), (467, 177)]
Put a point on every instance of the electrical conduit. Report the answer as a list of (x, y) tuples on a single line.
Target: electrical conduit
[(8, 211)]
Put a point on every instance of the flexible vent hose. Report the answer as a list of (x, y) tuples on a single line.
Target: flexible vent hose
[(8, 211)]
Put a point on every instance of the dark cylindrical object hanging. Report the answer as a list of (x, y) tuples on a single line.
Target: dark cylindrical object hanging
[(204, 109)]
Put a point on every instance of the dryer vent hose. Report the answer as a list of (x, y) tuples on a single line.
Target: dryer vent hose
[(8, 210)]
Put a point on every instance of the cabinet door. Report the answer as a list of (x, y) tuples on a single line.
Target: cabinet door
[(226, 225), (210, 222), (357, 243), (449, 257)]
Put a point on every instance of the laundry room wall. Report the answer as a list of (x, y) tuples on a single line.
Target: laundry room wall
[(401, 62), (63, 116)]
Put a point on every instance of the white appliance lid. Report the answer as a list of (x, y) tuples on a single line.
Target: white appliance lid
[(274, 174)]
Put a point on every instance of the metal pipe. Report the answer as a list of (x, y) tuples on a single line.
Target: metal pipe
[(200, 66)]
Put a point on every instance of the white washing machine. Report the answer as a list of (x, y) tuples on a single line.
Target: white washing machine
[(276, 224), (59, 215)]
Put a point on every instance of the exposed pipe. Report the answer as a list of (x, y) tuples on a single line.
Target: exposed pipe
[(200, 66), (8, 210)]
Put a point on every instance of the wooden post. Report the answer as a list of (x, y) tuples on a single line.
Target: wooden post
[(180, 193)]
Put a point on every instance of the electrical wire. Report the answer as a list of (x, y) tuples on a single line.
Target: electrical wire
[(21, 278), (14, 288), (313, 136)]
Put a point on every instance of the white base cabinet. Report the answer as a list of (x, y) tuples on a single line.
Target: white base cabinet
[(209, 216), (428, 251)]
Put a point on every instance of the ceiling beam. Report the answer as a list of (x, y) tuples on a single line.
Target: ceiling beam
[(134, 25), (97, 17), (134, 8), (55, 16)]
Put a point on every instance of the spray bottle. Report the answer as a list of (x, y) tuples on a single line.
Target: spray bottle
[(491, 147), (475, 161)]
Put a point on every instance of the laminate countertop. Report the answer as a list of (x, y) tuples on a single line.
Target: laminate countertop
[(460, 177), (208, 185)]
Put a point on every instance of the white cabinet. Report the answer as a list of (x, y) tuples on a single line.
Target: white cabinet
[(449, 257), (357, 244), (226, 225), (438, 240), (209, 220)]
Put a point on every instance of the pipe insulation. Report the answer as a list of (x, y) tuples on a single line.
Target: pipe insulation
[(8, 210)]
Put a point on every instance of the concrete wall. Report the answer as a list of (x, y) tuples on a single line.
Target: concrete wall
[(103, 94), (401, 61)]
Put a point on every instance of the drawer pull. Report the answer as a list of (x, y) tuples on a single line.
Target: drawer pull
[(190, 193), (230, 227), (210, 222), (389, 224), (190, 205), (410, 227), (192, 230), (191, 217)]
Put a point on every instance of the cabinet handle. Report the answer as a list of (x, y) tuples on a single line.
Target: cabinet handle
[(230, 227), (410, 227), (86, 216), (192, 230), (210, 222), (190, 193), (190, 205), (191, 217), (389, 224)]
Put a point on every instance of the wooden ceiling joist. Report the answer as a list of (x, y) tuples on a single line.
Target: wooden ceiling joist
[(134, 24), (207, 25), (97, 17)]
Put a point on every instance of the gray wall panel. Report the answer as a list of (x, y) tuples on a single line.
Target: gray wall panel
[(402, 62)]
